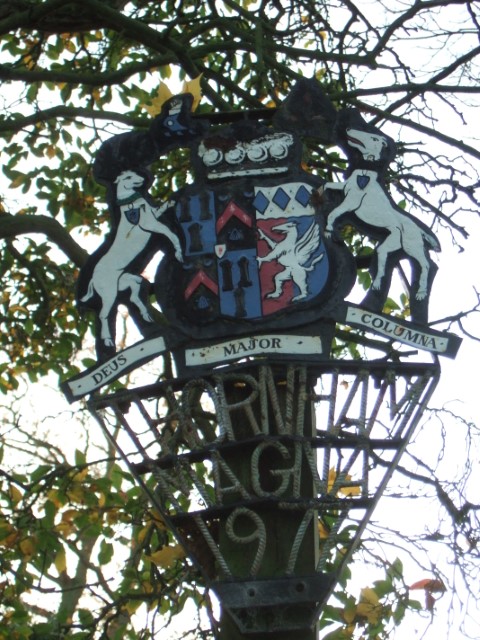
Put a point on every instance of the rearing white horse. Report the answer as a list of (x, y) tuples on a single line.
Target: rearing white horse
[(367, 199), (138, 220)]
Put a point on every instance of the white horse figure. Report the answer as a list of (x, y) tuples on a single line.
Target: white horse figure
[(138, 220), (368, 200)]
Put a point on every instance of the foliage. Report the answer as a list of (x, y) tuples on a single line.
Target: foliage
[(375, 611), (75, 72), (66, 528)]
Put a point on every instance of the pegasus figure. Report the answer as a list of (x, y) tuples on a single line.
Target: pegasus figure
[(294, 254)]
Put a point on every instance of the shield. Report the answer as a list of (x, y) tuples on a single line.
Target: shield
[(253, 253)]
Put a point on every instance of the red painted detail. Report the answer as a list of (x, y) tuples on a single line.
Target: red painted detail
[(198, 279), (230, 211)]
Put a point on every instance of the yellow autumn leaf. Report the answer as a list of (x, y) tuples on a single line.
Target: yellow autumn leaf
[(17, 308), (15, 494), (65, 528), (163, 94), (8, 535), (53, 496), (349, 612), (166, 556), (157, 519), (112, 515), (29, 62), (323, 531), (165, 71), (332, 476), (350, 491), (147, 586), (27, 547), (131, 606), (367, 594), (142, 534), (60, 560), (69, 514), (78, 476), (354, 490), (369, 606), (17, 182), (76, 493), (193, 87)]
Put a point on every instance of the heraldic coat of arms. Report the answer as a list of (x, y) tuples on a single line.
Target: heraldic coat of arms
[(250, 245), (254, 249)]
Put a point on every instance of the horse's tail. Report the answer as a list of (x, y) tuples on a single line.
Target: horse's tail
[(90, 292), (431, 240)]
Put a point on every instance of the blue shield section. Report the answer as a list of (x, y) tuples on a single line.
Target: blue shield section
[(239, 284), (317, 267), (196, 215)]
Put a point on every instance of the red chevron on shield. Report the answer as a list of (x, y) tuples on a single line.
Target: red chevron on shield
[(200, 278)]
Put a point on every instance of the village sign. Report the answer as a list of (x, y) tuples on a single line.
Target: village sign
[(253, 262)]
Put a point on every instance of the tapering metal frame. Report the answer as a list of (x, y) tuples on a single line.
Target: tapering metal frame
[(365, 413)]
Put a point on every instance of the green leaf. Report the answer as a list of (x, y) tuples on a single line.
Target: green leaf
[(106, 552), (50, 512), (86, 617), (382, 587), (80, 458), (395, 571)]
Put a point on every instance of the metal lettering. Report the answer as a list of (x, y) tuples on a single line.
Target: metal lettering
[(283, 474), (219, 467), (259, 534)]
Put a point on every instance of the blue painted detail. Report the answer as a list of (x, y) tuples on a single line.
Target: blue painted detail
[(172, 123), (133, 215), (317, 277), (203, 303), (281, 198), (260, 202), (303, 195), (198, 228), (362, 181), (235, 235), (240, 297)]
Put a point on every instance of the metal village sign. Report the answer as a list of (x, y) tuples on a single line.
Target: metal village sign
[(252, 265), (253, 281)]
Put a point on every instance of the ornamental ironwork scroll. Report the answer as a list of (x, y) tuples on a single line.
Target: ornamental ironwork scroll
[(253, 262)]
